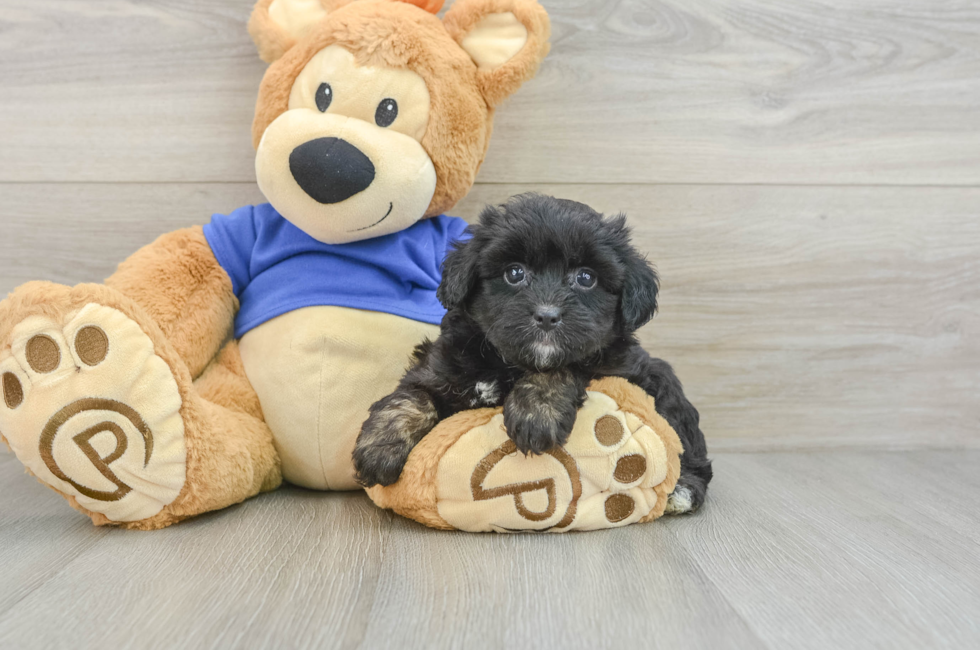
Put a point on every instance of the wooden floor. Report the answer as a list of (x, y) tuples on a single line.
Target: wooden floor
[(833, 549), (804, 173)]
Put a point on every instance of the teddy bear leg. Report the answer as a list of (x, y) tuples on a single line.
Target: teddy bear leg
[(98, 405), (238, 459), (620, 463), (182, 288), (231, 456)]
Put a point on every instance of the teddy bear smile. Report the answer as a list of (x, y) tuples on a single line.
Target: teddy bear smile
[(390, 207)]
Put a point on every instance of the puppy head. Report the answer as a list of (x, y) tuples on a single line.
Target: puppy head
[(550, 281)]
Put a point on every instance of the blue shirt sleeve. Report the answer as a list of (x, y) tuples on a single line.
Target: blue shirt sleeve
[(232, 239)]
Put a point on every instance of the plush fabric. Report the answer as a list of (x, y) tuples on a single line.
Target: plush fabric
[(498, 83), (184, 291), (618, 467), (396, 35), (127, 454), (316, 371), (494, 40), (272, 36), (229, 454)]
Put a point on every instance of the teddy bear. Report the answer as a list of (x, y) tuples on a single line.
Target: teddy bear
[(221, 360)]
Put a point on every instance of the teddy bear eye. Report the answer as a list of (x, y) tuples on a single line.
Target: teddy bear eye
[(585, 278), (514, 274), (324, 95), (386, 113)]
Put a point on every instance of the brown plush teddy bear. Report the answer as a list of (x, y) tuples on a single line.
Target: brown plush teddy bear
[(130, 399)]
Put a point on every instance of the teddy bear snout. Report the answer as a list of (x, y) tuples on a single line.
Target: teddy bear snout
[(331, 170)]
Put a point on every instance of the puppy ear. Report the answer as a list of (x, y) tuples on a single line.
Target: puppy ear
[(638, 301), (459, 274), (276, 25), (507, 39)]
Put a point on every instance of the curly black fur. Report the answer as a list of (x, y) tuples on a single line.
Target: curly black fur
[(534, 345)]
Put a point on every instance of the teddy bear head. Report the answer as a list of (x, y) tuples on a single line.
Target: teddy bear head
[(375, 113)]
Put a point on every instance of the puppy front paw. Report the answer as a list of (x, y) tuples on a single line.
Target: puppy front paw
[(535, 430), (540, 410), (380, 463), (396, 424)]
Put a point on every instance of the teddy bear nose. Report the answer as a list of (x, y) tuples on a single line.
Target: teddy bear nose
[(330, 170)]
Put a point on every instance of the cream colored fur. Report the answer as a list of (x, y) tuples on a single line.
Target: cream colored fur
[(495, 40), (316, 371)]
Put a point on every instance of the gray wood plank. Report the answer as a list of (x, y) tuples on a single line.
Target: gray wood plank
[(713, 91), (39, 533), (940, 488), (807, 550), (823, 550), (632, 587), (293, 568), (79, 232), (796, 316)]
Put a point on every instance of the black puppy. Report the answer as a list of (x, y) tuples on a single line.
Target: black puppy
[(544, 298)]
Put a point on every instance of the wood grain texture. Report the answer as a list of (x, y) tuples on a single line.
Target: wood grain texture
[(632, 587), (825, 550), (38, 533), (290, 569), (845, 549), (711, 91), (796, 316)]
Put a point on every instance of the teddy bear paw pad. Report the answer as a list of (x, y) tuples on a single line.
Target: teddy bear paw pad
[(613, 471), (90, 409)]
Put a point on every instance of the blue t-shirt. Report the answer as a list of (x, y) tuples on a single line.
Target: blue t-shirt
[(276, 268)]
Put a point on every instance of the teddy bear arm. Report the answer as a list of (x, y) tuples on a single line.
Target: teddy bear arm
[(180, 284)]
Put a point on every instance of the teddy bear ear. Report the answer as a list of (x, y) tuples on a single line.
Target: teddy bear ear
[(507, 39), (276, 25)]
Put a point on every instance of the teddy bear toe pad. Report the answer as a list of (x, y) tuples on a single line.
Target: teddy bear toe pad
[(93, 412)]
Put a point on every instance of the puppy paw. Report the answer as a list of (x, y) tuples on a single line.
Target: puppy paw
[(680, 501), (688, 495), (540, 410), (396, 424), (380, 463), (536, 430)]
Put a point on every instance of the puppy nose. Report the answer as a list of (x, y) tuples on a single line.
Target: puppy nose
[(547, 317), (330, 170)]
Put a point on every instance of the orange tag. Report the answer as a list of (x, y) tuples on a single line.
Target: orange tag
[(432, 6)]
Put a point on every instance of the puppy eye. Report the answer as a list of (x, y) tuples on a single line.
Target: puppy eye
[(386, 113), (514, 274), (323, 97), (585, 278)]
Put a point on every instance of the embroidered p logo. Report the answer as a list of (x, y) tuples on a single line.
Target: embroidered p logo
[(518, 490), (101, 463)]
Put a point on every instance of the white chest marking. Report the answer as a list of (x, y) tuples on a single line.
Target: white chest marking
[(487, 393), (544, 353)]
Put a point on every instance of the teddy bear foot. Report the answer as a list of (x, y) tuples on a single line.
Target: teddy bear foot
[(619, 465), (88, 406)]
